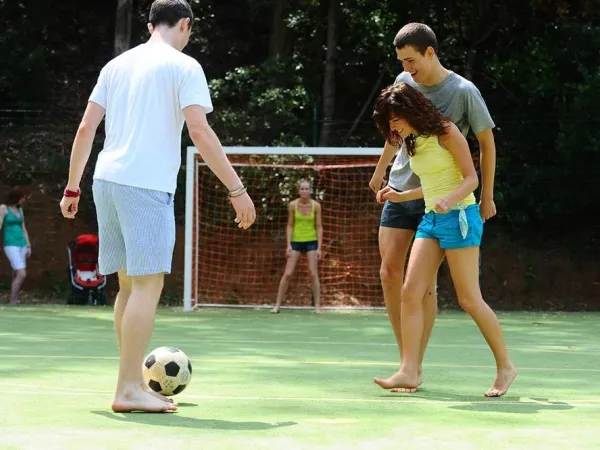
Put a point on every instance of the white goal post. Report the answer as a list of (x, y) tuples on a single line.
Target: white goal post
[(189, 297)]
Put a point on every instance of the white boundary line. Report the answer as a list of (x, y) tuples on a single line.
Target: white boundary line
[(275, 362), (578, 351), (390, 398)]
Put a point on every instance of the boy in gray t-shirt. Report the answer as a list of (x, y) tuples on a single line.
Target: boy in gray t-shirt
[(456, 98), (416, 47)]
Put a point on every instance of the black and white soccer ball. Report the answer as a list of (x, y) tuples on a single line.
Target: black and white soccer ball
[(167, 370)]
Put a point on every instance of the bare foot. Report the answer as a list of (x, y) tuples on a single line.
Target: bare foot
[(275, 311), (407, 390), (140, 400), (504, 379), (400, 382), (158, 396), (318, 310)]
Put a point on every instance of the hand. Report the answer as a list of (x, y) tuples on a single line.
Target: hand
[(244, 208), (318, 253), (376, 182), (288, 251), (387, 193), (487, 208), (28, 253), (68, 207), (442, 205)]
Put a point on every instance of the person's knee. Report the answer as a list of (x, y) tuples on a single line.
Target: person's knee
[(287, 275), (391, 274), (21, 274), (151, 284), (314, 276), (410, 296), (469, 302)]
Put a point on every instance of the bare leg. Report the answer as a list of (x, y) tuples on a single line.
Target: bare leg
[(430, 308), (425, 259), (464, 268), (137, 322), (15, 288), (119, 310), (313, 271), (393, 247), (121, 302), (285, 279)]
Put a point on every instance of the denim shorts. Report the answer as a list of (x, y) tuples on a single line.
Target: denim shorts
[(447, 230), (136, 229), (305, 247), (404, 215)]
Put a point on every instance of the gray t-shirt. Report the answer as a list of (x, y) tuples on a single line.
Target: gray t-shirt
[(456, 98)]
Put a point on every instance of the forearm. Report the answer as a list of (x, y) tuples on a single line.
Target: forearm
[(80, 153), (288, 234), (488, 169), (320, 236), (386, 157), (209, 146), (398, 197), (461, 192), (411, 194)]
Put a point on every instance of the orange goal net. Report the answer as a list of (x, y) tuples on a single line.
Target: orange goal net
[(226, 266)]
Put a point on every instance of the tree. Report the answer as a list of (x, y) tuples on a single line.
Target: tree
[(329, 78), (123, 26)]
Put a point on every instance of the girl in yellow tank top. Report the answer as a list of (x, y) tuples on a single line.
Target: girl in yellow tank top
[(304, 234), (452, 227)]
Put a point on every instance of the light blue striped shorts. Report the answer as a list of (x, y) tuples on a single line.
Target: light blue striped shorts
[(136, 229)]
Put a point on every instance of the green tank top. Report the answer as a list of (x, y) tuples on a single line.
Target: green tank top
[(304, 226), (13, 229)]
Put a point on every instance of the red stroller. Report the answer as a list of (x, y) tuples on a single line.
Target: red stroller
[(88, 286)]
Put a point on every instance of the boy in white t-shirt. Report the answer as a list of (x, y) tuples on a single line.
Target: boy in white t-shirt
[(147, 93)]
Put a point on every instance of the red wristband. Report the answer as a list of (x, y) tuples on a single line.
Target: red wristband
[(68, 193)]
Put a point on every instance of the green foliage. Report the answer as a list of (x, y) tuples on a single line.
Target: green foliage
[(536, 64), (253, 110)]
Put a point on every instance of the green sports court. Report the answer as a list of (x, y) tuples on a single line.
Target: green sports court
[(299, 380)]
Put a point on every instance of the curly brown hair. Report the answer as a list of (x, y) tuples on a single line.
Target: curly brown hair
[(402, 101)]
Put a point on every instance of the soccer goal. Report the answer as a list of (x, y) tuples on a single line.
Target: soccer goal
[(226, 266)]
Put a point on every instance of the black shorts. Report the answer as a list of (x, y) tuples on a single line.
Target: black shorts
[(304, 247), (403, 215)]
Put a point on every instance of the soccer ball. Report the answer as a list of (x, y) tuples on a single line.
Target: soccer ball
[(167, 370)]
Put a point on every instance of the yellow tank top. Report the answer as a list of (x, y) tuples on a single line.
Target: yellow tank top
[(438, 172), (304, 226)]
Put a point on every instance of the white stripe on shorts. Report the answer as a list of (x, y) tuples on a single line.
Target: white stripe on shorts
[(136, 229)]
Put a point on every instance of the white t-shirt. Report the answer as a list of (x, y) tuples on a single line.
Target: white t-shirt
[(144, 91)]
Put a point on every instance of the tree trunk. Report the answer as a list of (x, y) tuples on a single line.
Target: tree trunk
[(329, 78), (278, 29), (123, 26)]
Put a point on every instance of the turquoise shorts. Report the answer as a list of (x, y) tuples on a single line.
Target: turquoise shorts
[(455, 229)]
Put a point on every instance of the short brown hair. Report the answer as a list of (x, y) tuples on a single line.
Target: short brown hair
[(169, 12), (417, 35), (15, 195), (402, 101)]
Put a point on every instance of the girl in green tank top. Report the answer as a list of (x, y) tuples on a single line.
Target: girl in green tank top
[(304, 234), (16, 239), (451, 228)]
